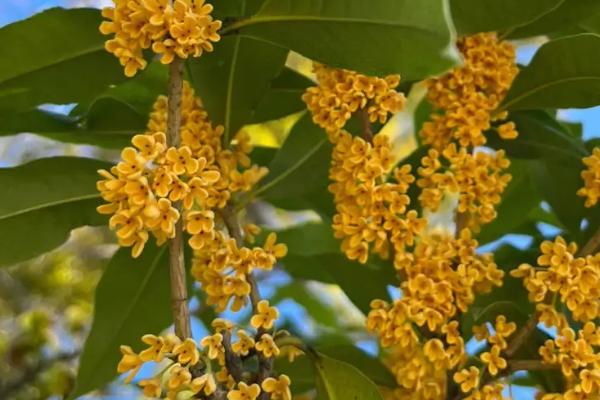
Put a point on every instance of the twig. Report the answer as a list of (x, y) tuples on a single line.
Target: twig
[(530, 365), (265, 365), (460, 221), (179, 295), (591, 246), (367, 129), (232, 361)]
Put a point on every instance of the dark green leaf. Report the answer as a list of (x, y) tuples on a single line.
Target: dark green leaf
[(62, 128), (233, 79), (41, 203), (540, 136), (350, 276), (474, 16), (56, 56), (564, 73), (372, 367), (298, 175), (321, 313), (375, 38), (132, 299), (337, 380), (284, 97), (518, 201), (567, 14), (568, 207)]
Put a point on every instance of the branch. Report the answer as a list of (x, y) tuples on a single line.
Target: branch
[(367, 130), (265, 365), (530, 365), (591, 246), (232, 361), (179, 295)]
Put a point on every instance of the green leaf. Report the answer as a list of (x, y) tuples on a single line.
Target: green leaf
[(61, 128), (563, 199), (474, 16), (314, 254), (540, 136), (337, 380), (132, 299), (284, 96), (372, 367), (56, 56), (518, 201), (565, 73), (567, 14), (41, 203), (233, 79), (376, 38), (305, 153), (487, 307), (321, 313)]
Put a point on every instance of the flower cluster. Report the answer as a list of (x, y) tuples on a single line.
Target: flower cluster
[(477, 178), (341, 93), (189, 371), (372, 214), (441, 277), (465, 99), (182, 29), (579, 360), (222, 267), (143, 188), (591, 179), (560, 274)]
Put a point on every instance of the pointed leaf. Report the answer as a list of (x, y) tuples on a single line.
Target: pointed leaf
[(132, 299), (375, 37), (565, 73), (474, 16), (567, 14), (50, 58), (41, 203), (233, 79), (337, 380)]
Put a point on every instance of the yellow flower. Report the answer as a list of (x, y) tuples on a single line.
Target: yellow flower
[(155, 351), (187, 353), (265, 317), (151, 387), (133, 163), (220, 324), (494, 361), (244, 344), (200, 221), (279, 389), (205, 383), (182, 161), (178, 377), (214, 344), (266, 345), (468, 379), (130, 362), (276, 250), (166, 219), (244, 392)]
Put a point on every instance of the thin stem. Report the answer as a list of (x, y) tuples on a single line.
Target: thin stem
[(265, 365), (367, 129), (179, 295), (591, 246)]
